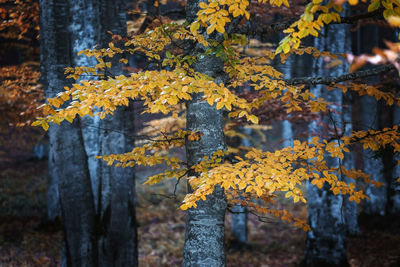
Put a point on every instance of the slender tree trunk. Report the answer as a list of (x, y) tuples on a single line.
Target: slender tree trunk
[(287, 131), (114, 187), (108, 237), (239, 226), (116, 206), (325, 244), (85, 28), (204, 239), (52, 196), (373, 164), (68, 159), (350, 211), (395, 185), (239, 230)]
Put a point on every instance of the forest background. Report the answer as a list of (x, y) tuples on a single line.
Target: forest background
[(29, 235)]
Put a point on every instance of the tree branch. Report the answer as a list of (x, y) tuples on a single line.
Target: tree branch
[(263, 29), (341, 78)]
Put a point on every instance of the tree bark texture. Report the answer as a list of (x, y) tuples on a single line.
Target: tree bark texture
[(68, 159), (395, 185), (350, 210), (80, 25), (204, 238), (325, 245), (239, 230), (372, 162)]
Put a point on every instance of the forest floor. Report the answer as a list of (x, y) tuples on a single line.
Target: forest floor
[(26, 241)]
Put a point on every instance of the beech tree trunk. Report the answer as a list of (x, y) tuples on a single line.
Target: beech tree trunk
[(114, 187), (395, 185), (100, 227), (68, 159), (287, 131), (373, 164), (350, 211), (204, 238), (325, 245), (239, 230)]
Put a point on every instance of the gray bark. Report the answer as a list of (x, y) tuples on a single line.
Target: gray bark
[(114, 188), (85, 29), (350, 211), (68, 159), (395, 185), (52, 195), (204, 238), (373, 164), (325, 245), (239, 226), (239, 229), (116, 204), (287, 131), (107, 237)]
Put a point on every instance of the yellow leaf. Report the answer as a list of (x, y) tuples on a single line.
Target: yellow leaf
[(288, 194), (220, 28), (286, 47), (394, 21), (194, 27), (203, 5), (36, 123), (220, 105), (45, 125), (211, 29), (253, 119), (123, 60)]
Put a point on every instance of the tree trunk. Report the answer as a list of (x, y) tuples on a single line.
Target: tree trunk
[(114, 187), (372, 162), (239, 229), (108, 237), (395, 185), (204, 238), (325, 245), (287, 131), (350, 211), (68, 159)]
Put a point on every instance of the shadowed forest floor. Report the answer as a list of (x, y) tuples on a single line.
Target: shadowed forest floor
[(25, 241)]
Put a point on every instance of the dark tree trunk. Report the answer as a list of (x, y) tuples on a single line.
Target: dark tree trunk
[(70, 27), (116, 206), (395, 185), (372, 163), (239, 230), (204, 239), (326, 242), (116, 199), (68, 159), (350, 211)]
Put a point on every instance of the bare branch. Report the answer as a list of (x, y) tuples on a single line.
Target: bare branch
[(265, 29), (341, 78)]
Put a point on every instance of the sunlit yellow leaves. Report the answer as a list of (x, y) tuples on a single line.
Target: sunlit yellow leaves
[(394, 21), (253, 119), (195, 26), (315, 16), (257, 175), (215, 14), (353, 2), (42, 123)]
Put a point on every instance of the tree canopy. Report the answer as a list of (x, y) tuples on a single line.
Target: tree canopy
[(222, 29)]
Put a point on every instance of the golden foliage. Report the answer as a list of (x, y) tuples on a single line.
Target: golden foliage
[(258, 175)]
